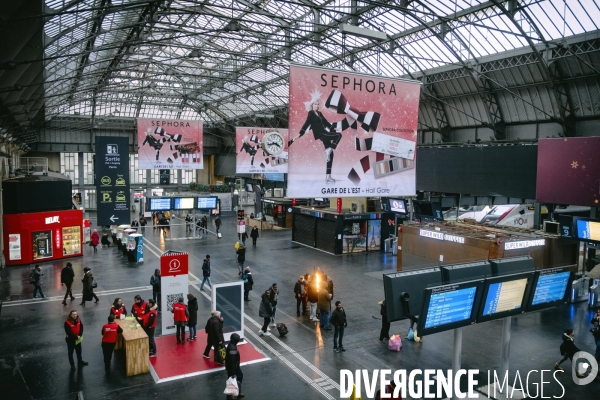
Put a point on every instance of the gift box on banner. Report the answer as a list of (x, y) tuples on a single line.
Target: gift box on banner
[(173, 285)]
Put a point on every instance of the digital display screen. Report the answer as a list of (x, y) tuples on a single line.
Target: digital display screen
[(183, 203), (450, 307), (160, 203), (504, 296), (550, 287), (588, 230), (207, 203), (397, 205)]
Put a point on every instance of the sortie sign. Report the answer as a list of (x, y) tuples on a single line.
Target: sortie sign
[(112, 180)]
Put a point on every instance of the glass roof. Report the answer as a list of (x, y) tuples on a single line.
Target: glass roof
[(223, 59)]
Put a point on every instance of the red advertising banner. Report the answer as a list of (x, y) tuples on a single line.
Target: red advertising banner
[(351, 134), (173, 264), (261, 151), (568, 171), (169, 144)]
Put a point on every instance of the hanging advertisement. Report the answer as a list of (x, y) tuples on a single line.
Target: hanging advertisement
[(173, 285), (112, 180), (14, 246), (261, 150), (169, 144), (351, 134)]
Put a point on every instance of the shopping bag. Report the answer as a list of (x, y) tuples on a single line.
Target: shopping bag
[(395, 343), (222, 353), (231, 387), (417, 337), (411, 334), (219, 235)]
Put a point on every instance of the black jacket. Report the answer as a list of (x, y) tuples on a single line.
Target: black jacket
[(155, 282), (265, 310), (88, 280), (338, 317), (70, 335), (568, 346), (254, 233), (193, 310), (299, 287), (248, 285), (595, 322), (316, 122), (241, 253), (214, 330), (206, 268), (313, 293), (67, 275), (232, 359)]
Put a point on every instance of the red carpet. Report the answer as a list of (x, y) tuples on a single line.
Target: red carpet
[(177, 361)]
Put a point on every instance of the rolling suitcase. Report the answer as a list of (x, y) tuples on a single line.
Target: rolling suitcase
[(282, 329)]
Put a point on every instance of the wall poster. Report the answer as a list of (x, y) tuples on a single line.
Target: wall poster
[(351, 134), (14, 246), (261, 150), (169, 144)]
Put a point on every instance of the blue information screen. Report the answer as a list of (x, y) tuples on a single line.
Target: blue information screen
[(207, 203), (505, 296), (550, 288), (589, 230), (160, 204), (449, 307)]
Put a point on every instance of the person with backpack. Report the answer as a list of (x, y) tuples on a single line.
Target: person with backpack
[(35, 278), (206, 272), (567, 349), (193, 320), (181, 316), (248, 282), (274, 297), (88, 287), (155, 283), (241, 257), (254, 234), (149, 325), (338, 320), (385, 324), (214, 336), (110, 333), (67, 276), (265, 311)]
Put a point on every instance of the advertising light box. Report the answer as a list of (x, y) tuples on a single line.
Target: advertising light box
[(397, 206), (588, 230), (207, 203), (184, 203), (505, 296), (160, 203), (549, 288)]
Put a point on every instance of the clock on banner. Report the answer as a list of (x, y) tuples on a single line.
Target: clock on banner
[(273, 143)]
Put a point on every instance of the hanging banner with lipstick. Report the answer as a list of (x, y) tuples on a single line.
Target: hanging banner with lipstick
[(351, 134), (261, 151), (169, 144)]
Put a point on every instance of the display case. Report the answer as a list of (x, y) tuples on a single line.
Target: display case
[(71, 238), (42, 245)]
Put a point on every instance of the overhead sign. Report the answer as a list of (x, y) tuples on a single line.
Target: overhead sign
[(169, 144), (112, 180), (261, 150), (351, 134)]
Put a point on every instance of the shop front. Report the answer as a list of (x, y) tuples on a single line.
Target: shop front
[(44, 236), (280, 210)]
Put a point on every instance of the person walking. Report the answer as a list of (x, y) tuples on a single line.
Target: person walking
[(218, 225), (299, 292), (254, 235), (274, 297), (324, 304), (155, 283), (95, 240), (385, 324), (180, 316), (143, 223), (193, 319), (214, 336), (88, 287), (567, 349), (241, 257), (110, 332), (118, 308), (35, 277), (248, 282), (338, 320), (244, 238), (265, 311), (313, 298), (596, 332), (67, 276), (206, 272), (150, 324), (139, 308), (232, 362), (74, 330)]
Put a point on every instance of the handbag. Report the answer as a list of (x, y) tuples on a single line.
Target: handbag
[(222, 352), (395, 343), (231, 387), (94, 283)]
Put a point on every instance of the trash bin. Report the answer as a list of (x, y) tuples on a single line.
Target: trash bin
[(120, 230), (135, 247), (395, 246)]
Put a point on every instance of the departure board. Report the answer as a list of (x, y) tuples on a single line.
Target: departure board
[(160, 203), (550, 288), (207, 203), (450, 306), (183, 203), (504, 296)]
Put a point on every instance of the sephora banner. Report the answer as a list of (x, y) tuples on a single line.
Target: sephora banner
[(351, 134), (261, 150), (169, 144)]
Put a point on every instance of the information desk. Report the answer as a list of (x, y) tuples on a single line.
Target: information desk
[(135, 343)]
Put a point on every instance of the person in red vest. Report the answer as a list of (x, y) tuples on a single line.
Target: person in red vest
[(74, 330), (118, 308), (150, 324), (139, 308), (180, 316), (110, 332)]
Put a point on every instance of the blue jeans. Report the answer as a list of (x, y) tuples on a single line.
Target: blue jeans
[(324, 318), (339, 331), (218, 227), (206, 279), (192, 332), (36, 288), (273, 316)]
